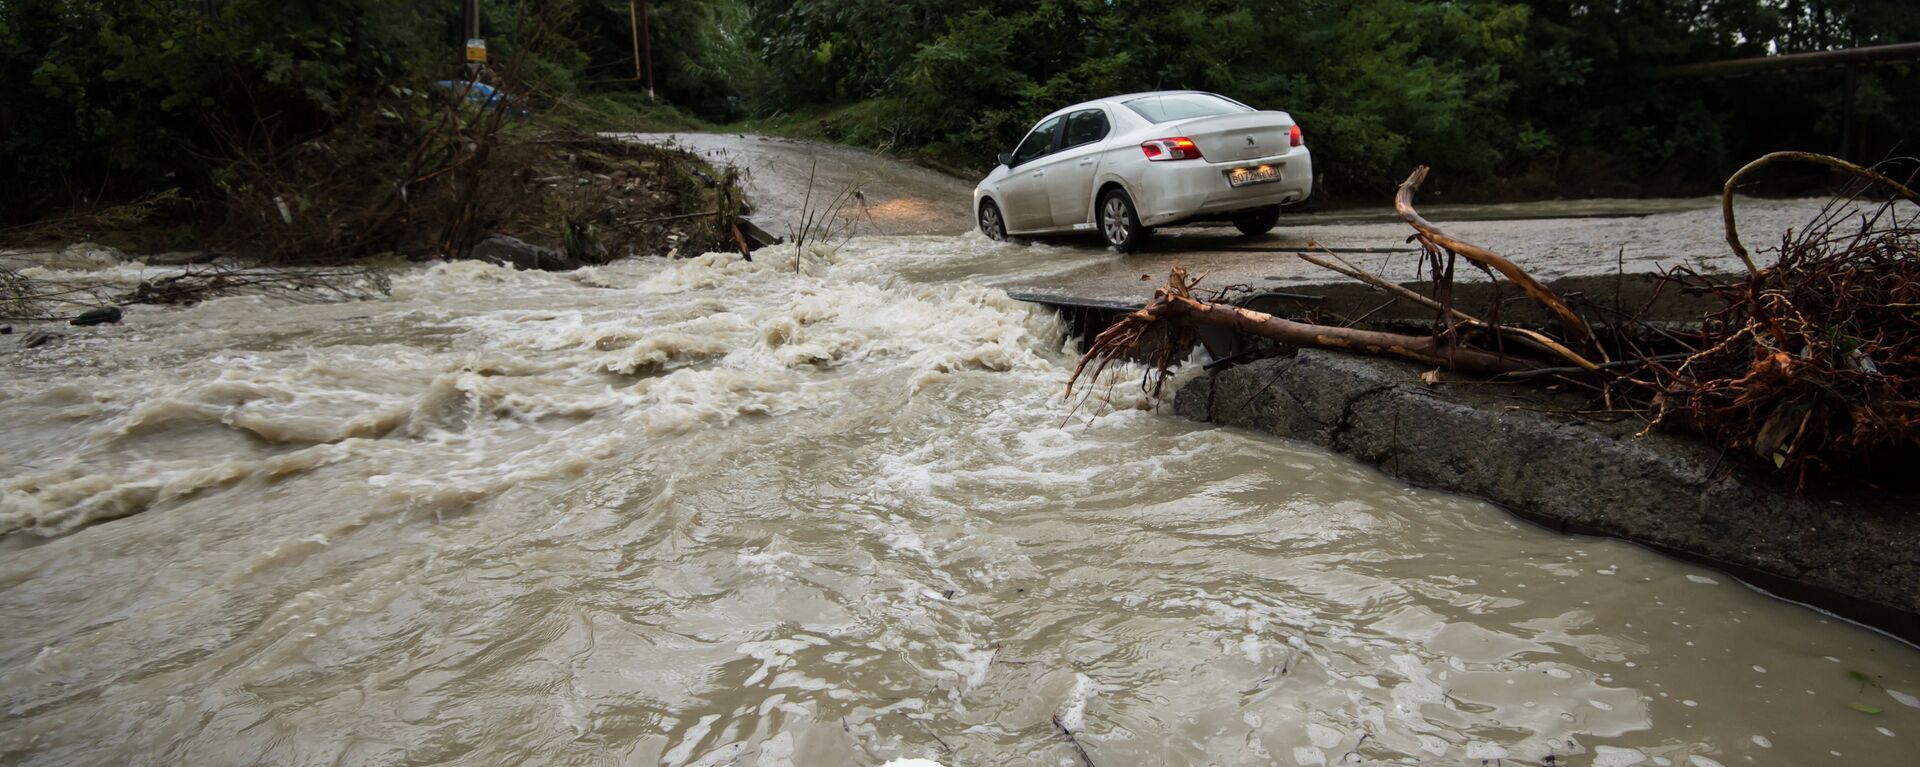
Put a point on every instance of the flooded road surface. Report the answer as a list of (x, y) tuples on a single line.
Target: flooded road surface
[(712, 512), (788, 179), (1552, 239)]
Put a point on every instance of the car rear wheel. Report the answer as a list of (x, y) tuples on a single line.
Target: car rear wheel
[(991, 223), (1119, 224), (1257, 222)]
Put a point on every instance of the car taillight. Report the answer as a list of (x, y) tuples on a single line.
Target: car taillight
[(1176, 148), (1296, 139)]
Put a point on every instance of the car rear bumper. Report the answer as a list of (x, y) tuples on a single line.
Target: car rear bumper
[(1183, 190)]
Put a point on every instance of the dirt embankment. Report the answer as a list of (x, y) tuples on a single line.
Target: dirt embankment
[(598, 199), (565, 199), (557, 201)]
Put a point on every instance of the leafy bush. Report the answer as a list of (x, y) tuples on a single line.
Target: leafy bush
[(109, 98)]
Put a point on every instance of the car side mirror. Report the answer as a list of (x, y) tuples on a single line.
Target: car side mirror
[(1006, 158)]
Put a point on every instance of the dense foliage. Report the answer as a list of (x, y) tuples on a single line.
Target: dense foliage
[(103, 97), (1504, 97), (1548, 94)]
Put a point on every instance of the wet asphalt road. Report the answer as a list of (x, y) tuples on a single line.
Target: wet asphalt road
[(1551, 239), (787, 178)]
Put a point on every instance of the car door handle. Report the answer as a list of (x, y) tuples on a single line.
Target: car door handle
[(1085, 163), (1037, 174)]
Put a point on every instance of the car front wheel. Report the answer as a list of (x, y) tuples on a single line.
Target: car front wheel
[(991, 223), (1119, 223), (1256, 222)]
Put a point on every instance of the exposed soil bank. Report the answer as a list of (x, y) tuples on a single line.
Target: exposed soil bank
[(1857, 557), (560, 200)]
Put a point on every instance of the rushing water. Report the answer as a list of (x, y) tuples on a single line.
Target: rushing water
[(712, 512)]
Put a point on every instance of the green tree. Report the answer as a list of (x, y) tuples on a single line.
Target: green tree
[(106, 98)]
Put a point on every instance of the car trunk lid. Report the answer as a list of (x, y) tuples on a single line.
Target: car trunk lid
[(1237, 137)]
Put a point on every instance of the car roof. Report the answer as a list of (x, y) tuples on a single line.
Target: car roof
[(1144, 94), (1116, 101)]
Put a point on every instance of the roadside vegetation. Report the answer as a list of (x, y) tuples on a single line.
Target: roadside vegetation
[(308, 132), (1503, 99)]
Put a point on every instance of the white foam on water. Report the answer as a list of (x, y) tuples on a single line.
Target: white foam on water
[(1073, 714), (682, 752), (1480, 749), (1610, 756)]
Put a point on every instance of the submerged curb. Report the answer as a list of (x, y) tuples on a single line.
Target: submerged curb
[(1857, 557)]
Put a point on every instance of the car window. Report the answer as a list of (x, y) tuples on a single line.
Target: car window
[(1182, 106), (1085, 127), (1039, 142)]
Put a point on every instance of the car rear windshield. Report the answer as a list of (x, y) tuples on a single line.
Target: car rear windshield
[(1181, 106)]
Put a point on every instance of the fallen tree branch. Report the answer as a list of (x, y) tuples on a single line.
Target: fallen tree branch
[(1075, 741), (1813, 365), (1432, 236), (1174, 304), (1426, 350), (1726, 191), (1538, 340), (1632, 364), (930, 733)]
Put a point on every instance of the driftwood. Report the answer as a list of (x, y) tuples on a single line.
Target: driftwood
[(1431, 237), (1726, 192), (1073, 740), (1173, 306), (1538, 340), (1173, 303), (1813, 364)]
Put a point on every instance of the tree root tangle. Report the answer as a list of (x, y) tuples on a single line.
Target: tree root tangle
[(1812, 366)]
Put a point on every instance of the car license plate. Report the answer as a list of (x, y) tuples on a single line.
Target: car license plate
[(1253, 174)]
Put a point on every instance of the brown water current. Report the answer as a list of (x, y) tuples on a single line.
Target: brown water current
[(712, 512)]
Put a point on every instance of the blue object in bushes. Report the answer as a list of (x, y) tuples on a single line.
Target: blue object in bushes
[(487, 96)]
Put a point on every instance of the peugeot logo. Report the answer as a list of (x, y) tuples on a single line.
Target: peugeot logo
[(1251, 141)]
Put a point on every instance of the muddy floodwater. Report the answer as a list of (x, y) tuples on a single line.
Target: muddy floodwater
[(712, 512)]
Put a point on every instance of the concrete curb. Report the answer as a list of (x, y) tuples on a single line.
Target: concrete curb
[(1856, 557)]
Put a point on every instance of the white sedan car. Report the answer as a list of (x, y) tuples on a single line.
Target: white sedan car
[(1127, 164)]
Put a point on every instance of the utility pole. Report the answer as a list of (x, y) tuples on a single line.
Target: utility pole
[(633, 26), (475, 44), (1847, 129), (642, 41), (646, 41)]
